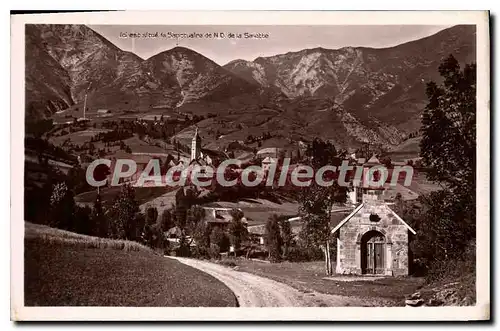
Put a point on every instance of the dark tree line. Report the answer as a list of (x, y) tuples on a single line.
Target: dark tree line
[(445, 220)]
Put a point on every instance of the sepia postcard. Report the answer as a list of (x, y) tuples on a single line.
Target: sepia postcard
[(199, 166)]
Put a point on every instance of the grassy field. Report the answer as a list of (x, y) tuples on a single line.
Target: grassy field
[(257, 211), (139, 146), (310, 276), (67, 269), (79, 137), (142, 194)]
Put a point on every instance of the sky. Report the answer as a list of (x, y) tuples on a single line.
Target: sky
[(279, 40)]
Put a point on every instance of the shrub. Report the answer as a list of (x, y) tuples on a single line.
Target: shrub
[(198, 252), (273, 238), (286, 236), (214, 251), (227, 263), (167, 220), (304, 254), (183, 250), (219, 238), (237, 230), (166, 246), (452, 269)]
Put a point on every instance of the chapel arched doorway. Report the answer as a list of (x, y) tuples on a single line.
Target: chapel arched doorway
[(373, 247)]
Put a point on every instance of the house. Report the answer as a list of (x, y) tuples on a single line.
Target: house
[(270, 151), (219, 216), (213, 157), (141, 161), (373, 239), (258, 232), (173, 236), (267, 162)]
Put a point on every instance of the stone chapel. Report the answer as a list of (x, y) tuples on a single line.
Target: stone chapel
[(373, 239)]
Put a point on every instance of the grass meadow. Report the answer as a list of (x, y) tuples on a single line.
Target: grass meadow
[(62, 268)]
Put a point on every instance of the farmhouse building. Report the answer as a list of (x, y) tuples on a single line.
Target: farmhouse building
[(267, 162), (219, 216), (373, 239)]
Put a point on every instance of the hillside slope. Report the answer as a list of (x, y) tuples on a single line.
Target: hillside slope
[(67, 269), (64, 62)]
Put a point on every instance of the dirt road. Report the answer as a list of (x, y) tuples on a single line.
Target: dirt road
[(255, 291)]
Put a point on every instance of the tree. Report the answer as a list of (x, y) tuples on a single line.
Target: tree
[(99, 219), (151, 215), (194, 215), (62, 207), (314, 212), (217, 242), (184, 248), (184, 199), (320, 153), (38, 127), (445, 230), (448, 145), (316, 201), (152, 228), (446, 225), (198, 229), (273, 239), (167, 220), (237, 230), (286, 236), (201, 237), (387, 162), (77, 180), (82, 220), (126, 221)]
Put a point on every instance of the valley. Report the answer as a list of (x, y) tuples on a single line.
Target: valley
[(351, 96)]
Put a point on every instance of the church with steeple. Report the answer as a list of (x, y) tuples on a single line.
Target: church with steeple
[(204, 156), (195, 146)]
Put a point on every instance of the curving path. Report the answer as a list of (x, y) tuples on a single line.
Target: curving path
[(255, 291)]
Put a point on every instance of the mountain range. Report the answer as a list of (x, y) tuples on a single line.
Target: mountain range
[(387, 83), (350, 95)]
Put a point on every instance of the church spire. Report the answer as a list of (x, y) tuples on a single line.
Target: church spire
[(195, 145)]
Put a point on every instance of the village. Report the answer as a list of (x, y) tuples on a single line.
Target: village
[(366, 237), (367, 247), (186, 184)]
